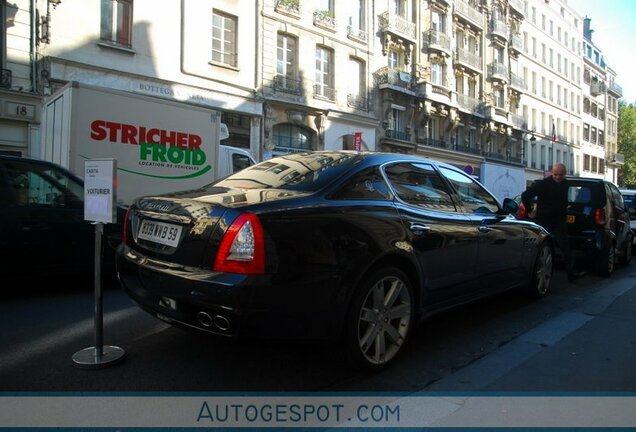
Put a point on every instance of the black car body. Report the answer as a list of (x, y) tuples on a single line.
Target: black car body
[(598, 224), (328, 245), (43, 233)]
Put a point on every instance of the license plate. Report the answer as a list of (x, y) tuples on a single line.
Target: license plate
[(571, 218), (160, 232)]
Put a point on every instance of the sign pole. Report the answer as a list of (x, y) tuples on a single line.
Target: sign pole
[(99, 179)]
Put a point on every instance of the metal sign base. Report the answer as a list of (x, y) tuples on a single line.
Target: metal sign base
[(91, 358)]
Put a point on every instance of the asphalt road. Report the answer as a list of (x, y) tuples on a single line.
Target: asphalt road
[(504, 343)]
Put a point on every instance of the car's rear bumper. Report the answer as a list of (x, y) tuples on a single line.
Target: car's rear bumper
[(230, 304)]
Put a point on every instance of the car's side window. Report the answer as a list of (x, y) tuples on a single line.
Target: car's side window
[(419, 184), (473, 196), (617, 198), (33, 186), (366, 185)]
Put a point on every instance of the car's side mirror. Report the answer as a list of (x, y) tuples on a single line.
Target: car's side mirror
[(510, 206)]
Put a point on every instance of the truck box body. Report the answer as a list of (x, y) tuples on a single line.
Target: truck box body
[(160, 145)]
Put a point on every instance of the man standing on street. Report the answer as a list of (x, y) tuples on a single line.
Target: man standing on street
[(552, 204)]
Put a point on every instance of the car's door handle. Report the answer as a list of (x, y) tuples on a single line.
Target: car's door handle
[(419, 229), (484, 229)]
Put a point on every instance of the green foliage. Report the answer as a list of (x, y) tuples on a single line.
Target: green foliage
[(627, 143)]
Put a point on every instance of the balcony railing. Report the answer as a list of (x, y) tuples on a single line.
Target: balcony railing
[(498, 71), (431, 142), (468, 149), (516, 42), (468, 102), (288, 7), (325, 19), (473, 15), (499, 28), (358, 102), (616, 89), (437, 40), (518, 6), (518, 121), (394, 77), (398, 135), (597, 87), (396, 24), (518, 82), (286, 84), (357, 34), (324, 92), (468, 58)]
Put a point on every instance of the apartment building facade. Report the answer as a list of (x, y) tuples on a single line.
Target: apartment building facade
[(493, 86)]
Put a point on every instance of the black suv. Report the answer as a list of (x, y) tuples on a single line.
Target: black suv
[(598, 224)]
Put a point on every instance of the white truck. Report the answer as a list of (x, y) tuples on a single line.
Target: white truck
[(160, 145)]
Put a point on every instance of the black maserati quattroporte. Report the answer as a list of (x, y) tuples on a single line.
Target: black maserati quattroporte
[(356, 247)]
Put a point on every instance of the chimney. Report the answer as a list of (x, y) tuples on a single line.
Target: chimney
[(587, 31)]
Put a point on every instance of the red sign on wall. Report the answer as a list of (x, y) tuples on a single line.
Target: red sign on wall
[(357, 141)]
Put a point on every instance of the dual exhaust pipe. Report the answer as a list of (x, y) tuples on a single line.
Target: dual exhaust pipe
[(218, 322)]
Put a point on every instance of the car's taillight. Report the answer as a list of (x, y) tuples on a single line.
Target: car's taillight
[(242, 248), (599, 217), (125, 235), (522, 212)]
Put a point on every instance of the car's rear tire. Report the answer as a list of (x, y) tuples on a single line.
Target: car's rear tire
[(606, 262), (626, 258), (541, 276), (380, 319)]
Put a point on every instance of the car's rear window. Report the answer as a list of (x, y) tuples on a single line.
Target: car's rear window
[(629, 200), (580, 195), (307, 172)]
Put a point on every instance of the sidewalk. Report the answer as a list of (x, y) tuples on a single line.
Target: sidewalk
[(589, 349)]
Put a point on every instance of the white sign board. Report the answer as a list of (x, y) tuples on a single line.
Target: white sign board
[(100, 190)]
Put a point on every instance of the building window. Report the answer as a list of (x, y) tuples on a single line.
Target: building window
[(286, 61), (224, 32), (291, 138), (116, 22), (357, 18), (324, 73), (500, 100), (586, 132), (437, 73), (356, 84)]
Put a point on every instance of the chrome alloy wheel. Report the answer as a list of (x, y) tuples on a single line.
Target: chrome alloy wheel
[(384, 320), (543, 276)]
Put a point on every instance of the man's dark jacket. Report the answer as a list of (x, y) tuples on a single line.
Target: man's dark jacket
[(552, 200)]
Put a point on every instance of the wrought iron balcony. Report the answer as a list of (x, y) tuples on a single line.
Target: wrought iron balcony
[(397, 25), (597, 87), (393, 77), (615, 89), (431, 142), (437, 40), (517, 6), (288, 7), (469, 103), (516, 43), (358, 102), (498, 71), (357, 34), (469, 13), (468, 149), (499, 28), (466, 58), (398, 135), (286, 84), (517, 82), (324, 92), (324, 19)]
